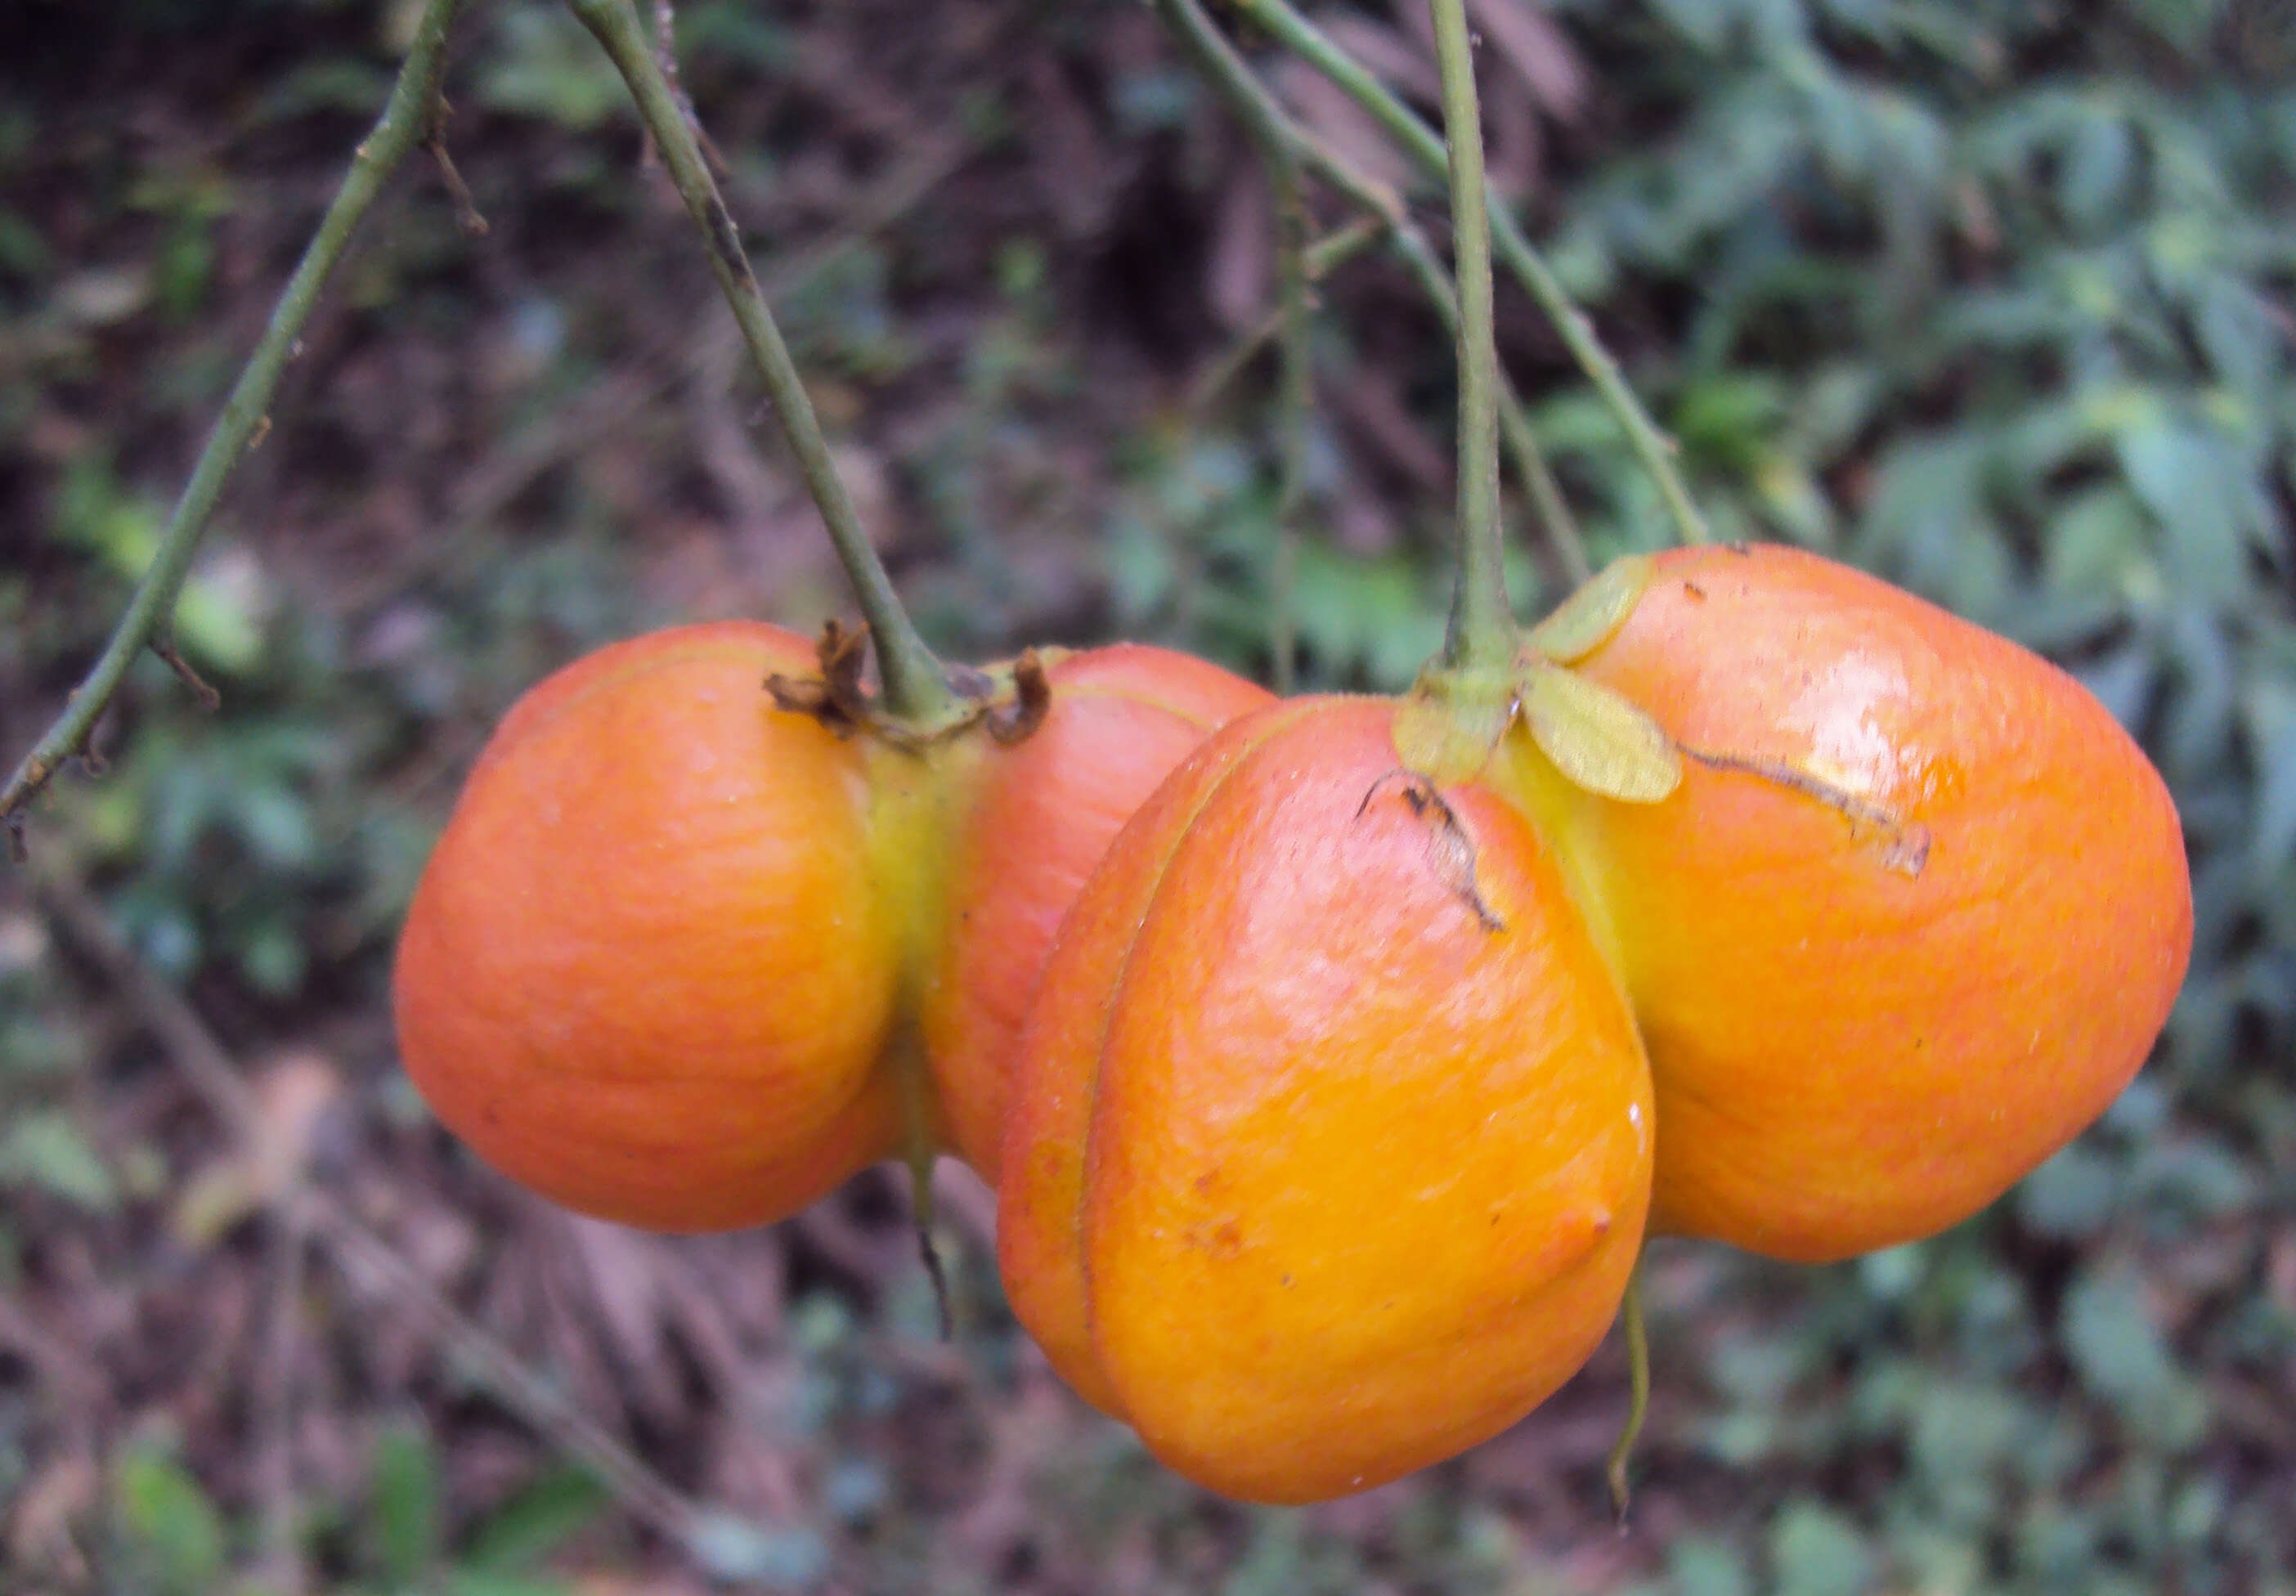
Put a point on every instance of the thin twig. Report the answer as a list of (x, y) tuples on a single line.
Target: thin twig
[(407, 120), (916, 688), (1650, 445), (665, 56), (1294, 402), (1321, 258), (466, 208), (1295, 399), (163, 645), (217, 1078), (1250, 99), (1638, 1394), (280, 1522)]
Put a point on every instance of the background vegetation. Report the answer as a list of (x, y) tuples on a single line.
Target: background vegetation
[(1997, 298)]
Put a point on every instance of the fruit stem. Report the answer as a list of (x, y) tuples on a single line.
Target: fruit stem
[(1482, 626), (1558, 525), (1384, 214), (408, 119), (1295, 401), (1650, 446), (916, 688), (1637, 1391), (920, 1154)]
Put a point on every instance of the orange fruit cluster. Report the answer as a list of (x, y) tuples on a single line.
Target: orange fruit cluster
[(688, 959), (1333, 1057)]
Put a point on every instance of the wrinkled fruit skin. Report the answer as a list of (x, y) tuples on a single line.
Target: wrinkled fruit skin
[(647, 973), (1330, 1150), (1042, 814), (1863, 1034), (688, 961)]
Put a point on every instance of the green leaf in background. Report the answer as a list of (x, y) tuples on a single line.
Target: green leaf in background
[(2269, 712), (544, 64), (473, 1582), (1817, 1551), (170, 1533), (44, 1150), (2072, 1195), (2194, 484), (220, 612), (405, 1506), (552, 1510), (1702, 1566), (2118, 1351)]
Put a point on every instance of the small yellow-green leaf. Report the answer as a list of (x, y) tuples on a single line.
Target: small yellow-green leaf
[(1598, 738), (1586, 619)]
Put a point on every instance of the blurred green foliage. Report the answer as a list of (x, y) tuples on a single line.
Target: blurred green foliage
[(1996, 299), (167, 1536)]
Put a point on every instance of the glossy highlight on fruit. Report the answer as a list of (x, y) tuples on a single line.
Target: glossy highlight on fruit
[(647, 972), (1330, 1149), (1913, 920)]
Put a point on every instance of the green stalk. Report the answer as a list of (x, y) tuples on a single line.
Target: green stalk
[(916, 687), (1650, 446), (1560, 527), (1637, 1392), (408, 120), (1268, 120), (1483, 626), (1295, 399)]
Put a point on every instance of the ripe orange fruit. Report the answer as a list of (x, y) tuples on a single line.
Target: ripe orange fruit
[(1330, 1144), (648, 972), (1038, 815), (1913, 918), (687, 961)]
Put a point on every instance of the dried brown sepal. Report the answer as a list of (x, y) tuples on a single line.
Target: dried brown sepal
[(808, 696), (1011, 704), (844, 657), (1454, 850), (1032, 701)]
